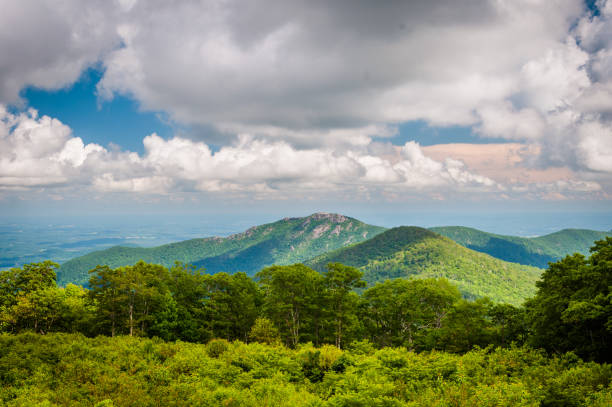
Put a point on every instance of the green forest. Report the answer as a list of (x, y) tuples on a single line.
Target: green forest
[(414, 252), (287, 241), (146, 334), (534, 251)]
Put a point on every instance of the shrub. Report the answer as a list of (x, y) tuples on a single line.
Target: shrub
[(216, 347)]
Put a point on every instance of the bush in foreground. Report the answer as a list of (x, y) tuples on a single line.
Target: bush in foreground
[(70, 369)]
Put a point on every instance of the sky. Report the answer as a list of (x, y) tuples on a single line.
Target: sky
[(377, 109)]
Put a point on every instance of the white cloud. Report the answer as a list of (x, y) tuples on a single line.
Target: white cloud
[(276, 167), (556, 79), (47, 44), (27, 144), (299, 65), (301, 89), (595, 148), (155, 184), (41, 152), (319, 76), (504, 121)]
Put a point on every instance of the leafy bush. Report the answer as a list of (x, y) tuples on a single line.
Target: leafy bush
[(70, 369), (216, 347)]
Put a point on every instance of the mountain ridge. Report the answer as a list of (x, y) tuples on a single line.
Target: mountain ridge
[(535, 251), (288, 240), (300, 239), (414, 252)]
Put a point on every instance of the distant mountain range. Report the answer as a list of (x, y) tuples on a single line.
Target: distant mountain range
[(404, 252), (287, 241), (381, 253), (535, 251)]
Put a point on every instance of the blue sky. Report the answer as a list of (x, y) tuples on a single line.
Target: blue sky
[(355, 108), (118, 121)]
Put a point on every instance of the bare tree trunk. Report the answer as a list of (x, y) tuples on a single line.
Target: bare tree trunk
[(316, 330), (339, 326), (295, 327), (144, 317), (131, 319)]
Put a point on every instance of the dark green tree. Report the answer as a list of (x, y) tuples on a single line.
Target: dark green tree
[(340, 281), (402, 312), (188, 288), (232, 305), (29, 297), (290, 292), (509, 324), (467, 325), (572, 309), (127, 296), (264, 331), (104, 292)]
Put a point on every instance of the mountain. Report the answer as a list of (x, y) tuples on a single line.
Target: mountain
[(287, 241), (404, 252), (535, 251)]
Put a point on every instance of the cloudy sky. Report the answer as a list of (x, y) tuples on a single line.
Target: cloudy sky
[(352, 102)]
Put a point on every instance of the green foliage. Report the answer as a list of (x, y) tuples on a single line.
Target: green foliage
[(127, 296), (572, 309), (299, 305), (418, 253), (217, 347), (405, 312), (293, 295), (340, 281), (232, 304), (535, 251), (287, 241), (469, 349), (30, 299), (69, 369), (264, 331)]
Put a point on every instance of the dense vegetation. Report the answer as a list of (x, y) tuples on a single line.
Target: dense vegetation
[(290, 240), (535, 251), (419, 253), (70, 369), (293, 336), (294, 240), (289, 304)]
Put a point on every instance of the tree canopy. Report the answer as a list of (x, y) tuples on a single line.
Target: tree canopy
[(572, 310)]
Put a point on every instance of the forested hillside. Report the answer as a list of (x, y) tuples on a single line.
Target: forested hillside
[(292, 336), (536, 251), (290, 240), (295, 337), (293, 240), (420, 253), (71, 370)]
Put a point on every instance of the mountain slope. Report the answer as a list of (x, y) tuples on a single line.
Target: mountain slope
[(286, 241), (420, 253), (536, 251)]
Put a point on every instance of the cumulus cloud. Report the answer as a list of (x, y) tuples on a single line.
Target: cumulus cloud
[(531, 71), (300, 90), (275, 168), (41, 152), (30, 148), (305, 64), (563, 101), (47, 44)]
